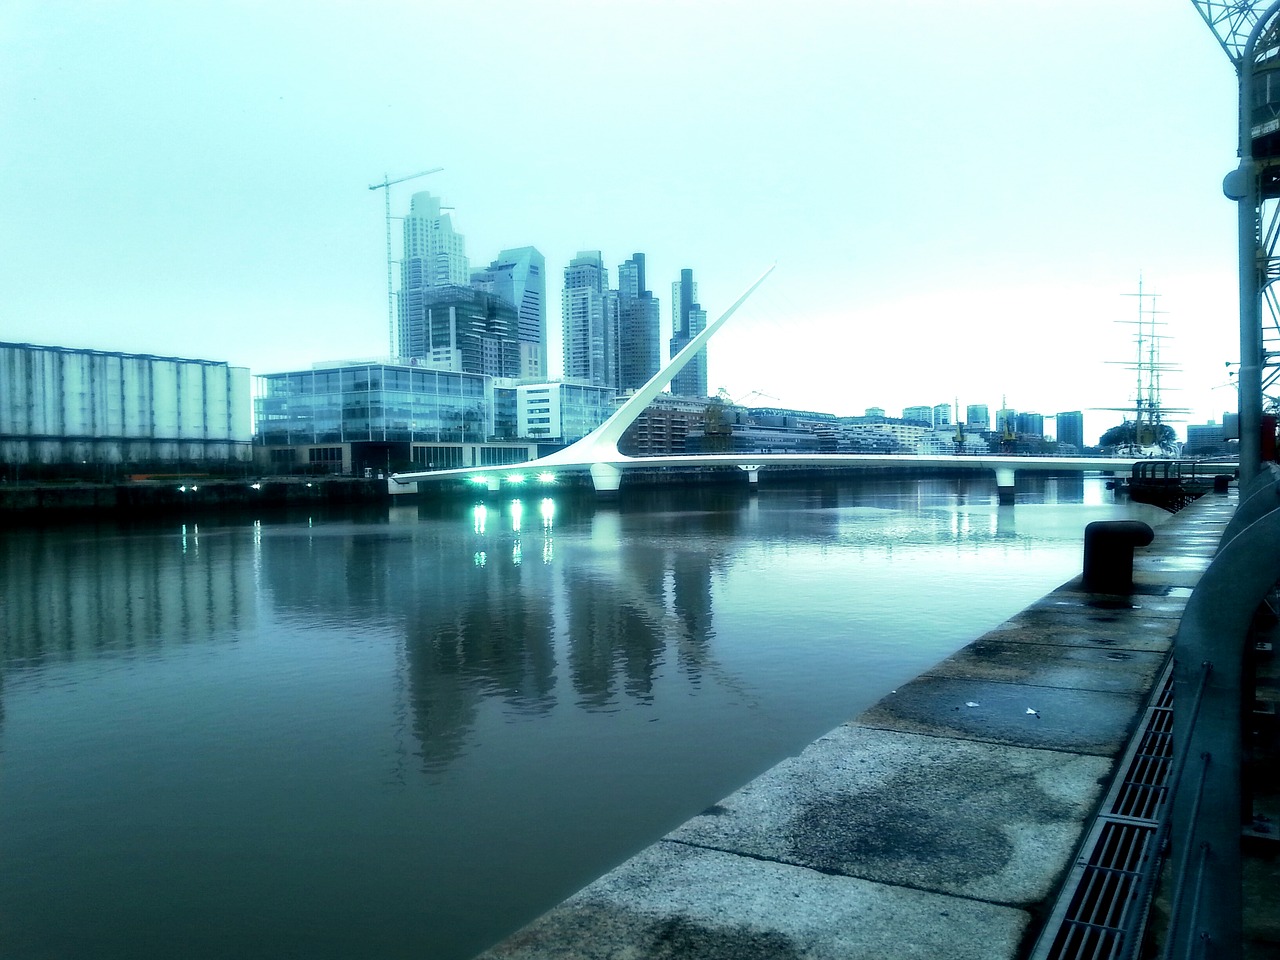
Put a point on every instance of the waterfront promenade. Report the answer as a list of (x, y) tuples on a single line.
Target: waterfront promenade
[(938, 823)]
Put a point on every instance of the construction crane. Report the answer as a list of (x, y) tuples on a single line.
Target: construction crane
[(385, 186), (1231, 21)]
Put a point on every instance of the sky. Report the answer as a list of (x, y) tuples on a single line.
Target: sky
[(961, 198)]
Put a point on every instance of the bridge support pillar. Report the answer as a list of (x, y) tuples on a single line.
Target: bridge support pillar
[(494, 482), (752, 470), (605, 477), (1004, 485)]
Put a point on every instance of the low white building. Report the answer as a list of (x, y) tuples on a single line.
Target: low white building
[(60, 405)]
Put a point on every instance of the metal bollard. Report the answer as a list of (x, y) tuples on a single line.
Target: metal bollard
[(1221, 483), (1108, 554)]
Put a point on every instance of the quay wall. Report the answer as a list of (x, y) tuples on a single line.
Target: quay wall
[(940, 822), (44, 500)]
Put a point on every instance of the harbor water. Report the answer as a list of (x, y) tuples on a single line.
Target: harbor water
[(406, 731)]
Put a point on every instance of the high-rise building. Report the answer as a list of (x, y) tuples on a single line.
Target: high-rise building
[(977, 417), (1007, 420), (434, 256), (465, 330), (918, 414), (639, 353), (1029, 424), (1069, 428), (519, 277), (942, 415), (589, 317), (688, 319)]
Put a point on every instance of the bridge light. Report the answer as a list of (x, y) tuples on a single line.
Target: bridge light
[(546, 477), (515, 478), (479, 480)]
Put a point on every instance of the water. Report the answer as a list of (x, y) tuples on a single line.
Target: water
[(406, 733)]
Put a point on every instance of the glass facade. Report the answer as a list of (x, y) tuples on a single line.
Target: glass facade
[(380, 402)]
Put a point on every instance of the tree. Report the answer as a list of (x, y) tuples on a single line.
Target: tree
[(1126, 433)]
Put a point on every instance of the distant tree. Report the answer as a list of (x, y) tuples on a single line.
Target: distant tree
[(1126, 433)]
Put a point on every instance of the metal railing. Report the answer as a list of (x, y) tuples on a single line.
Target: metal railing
[(1206, 797)]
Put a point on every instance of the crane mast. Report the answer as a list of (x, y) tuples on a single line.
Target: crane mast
[(385, 186)]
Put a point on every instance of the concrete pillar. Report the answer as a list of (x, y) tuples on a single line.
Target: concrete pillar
[(1004, 485), (606, 478), (752, 471), (494, 482)]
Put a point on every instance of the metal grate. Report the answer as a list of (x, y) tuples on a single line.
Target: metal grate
[(1103, 902)]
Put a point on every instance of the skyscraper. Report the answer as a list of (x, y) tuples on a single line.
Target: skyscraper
[(434, 256), (1069, 428), (519, 277), (466, 330), (977, 417), (942, 415), (688, 319), (590, 321), (639, 338)]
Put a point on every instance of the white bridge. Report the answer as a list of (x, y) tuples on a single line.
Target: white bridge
[(597, 452)]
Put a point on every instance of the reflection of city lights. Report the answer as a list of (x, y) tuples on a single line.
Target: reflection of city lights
[(516, 554), (479, 515), (548, 508), (548, 550), (515, 478), (517, 514), (479, 559), (255, 486), (546, 478)]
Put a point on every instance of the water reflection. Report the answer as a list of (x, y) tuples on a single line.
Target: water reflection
[(87, 591)]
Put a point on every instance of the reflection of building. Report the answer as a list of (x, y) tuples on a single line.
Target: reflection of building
[(379, 416), (63, 597), (61, 405), (519, 277)]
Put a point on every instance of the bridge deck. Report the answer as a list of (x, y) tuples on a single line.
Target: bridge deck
[(938, 823)]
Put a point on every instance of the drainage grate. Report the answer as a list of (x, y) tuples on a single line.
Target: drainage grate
[(1103, 900)]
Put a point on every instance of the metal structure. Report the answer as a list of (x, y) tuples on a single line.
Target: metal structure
[(385, 186), (597, 453), (1247, 32)]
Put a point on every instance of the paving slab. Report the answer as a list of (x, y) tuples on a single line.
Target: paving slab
[(1118, 624), (674, 901), (976, 820), (1155, 639), (1053, 665), (1076, 721)]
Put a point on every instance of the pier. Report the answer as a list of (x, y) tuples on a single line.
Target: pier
[(941, 822)]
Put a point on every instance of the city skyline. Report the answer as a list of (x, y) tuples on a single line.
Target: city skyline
[(209, 187)]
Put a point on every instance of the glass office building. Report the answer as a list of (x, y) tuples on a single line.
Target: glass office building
[(377, 416)]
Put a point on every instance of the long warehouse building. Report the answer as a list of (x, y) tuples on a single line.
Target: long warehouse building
[(60, 405)]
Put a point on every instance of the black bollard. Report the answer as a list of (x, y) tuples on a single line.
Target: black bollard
[(1108, 554), (1221, 483)]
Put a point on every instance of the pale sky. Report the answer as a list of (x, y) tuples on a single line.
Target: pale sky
[(958, 195)]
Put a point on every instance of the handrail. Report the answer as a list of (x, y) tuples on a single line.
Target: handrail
[(1204, 803)]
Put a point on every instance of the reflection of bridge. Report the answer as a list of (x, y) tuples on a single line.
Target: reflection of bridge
[(597, 453)]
